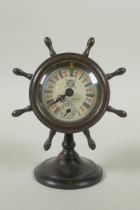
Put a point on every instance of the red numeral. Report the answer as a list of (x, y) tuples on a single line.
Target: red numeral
[(88, 99), (89, 89), (65, 72), (56, 77), (82, 109), (54, 106), (84, 80), (49, 96), (50, 87), (76, 73)]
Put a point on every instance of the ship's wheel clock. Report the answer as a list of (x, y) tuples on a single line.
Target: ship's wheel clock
[(69, 93)]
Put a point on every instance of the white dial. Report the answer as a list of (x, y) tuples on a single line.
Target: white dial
[(69, 93)]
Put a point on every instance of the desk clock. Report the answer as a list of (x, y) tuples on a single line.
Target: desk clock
[(69, 93)]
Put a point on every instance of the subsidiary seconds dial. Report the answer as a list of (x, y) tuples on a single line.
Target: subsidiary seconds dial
[(68, 111), (69, 93)]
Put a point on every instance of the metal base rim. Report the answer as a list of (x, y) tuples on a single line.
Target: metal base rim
[(48, 174)]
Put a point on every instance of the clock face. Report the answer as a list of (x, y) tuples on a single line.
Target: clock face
[(69, 92)]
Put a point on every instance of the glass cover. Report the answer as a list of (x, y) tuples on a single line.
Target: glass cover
[(68, 92)]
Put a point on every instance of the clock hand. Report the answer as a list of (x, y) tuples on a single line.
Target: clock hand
[(67, 111), (60, 98), (69, 92)]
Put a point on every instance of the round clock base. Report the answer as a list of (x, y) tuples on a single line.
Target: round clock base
[(71, 176)]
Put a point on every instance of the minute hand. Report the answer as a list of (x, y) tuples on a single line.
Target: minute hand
[(60, 98)]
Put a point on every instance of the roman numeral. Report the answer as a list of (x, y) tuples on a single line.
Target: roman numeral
[(88, 84), (60, 74), (52, 81), (48, 91), (71, 73), (86, 105), (57, 110), (90, 95), (81, 76)]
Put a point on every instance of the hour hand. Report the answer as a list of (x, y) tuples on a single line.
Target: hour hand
[(60, 98)]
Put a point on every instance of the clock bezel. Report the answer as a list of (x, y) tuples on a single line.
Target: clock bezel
[(88, 121)]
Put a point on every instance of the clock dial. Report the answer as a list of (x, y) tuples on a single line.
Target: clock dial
[(69, 92)]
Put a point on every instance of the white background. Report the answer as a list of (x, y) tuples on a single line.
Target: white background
[(116, 28)]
